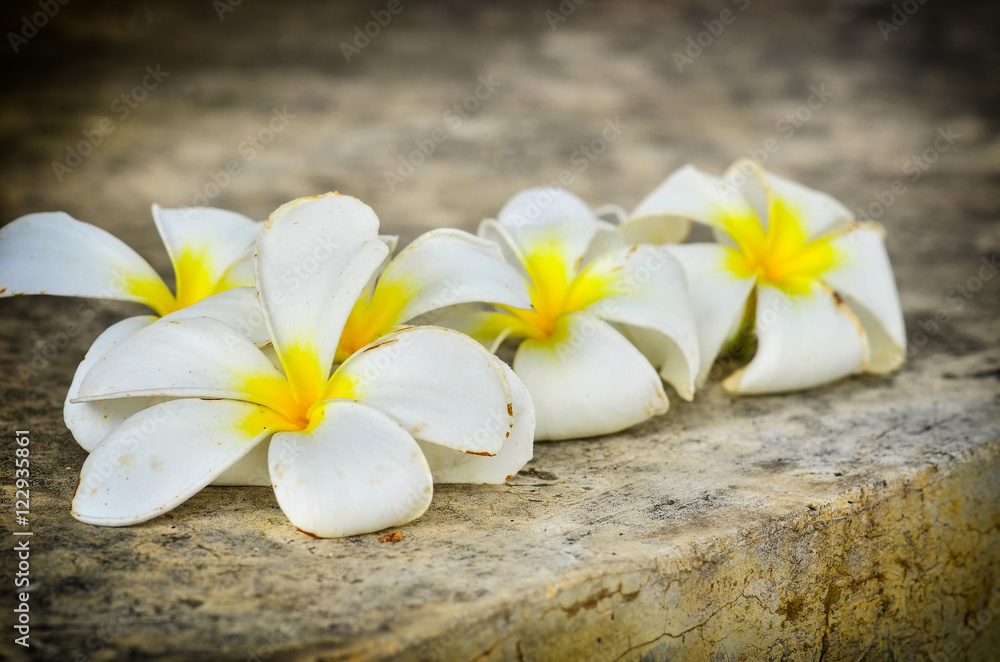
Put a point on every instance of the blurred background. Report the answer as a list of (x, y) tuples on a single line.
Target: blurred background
[(435, 113), (244, 105)]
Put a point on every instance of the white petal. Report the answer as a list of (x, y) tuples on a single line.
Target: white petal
[(198, 357), (645, 287), (686, 195), (439, 384), (215, 239), (587, 380), (747, 179), (802, 341), (608, 238), (53, 253), (818, 212), (543, 220), (489, 327), (491, 230), (718, 298), (390, 241), (238, 308), (162, 456), (91, 422), (866, 282), (314, 258), (446, 267), (452, 466), (355, 472)]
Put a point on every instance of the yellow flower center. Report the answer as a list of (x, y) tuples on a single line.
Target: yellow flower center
[(783, 256), (373, 318), (556, 287), (293, 398), (194, 283)]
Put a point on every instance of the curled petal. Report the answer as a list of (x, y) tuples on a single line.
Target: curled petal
[(802, 341), (91, 422), (645, 287), (439, 384), (587, 380), (451, 466), (163, 455), (686, 195), (355, 471), (718, 298), (53, 253), (864, 279)]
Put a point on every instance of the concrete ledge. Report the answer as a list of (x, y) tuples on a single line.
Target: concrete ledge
[(859, 520)]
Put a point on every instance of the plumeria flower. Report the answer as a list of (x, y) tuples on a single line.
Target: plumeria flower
[(350, 450), (817, 285), (608, 321), (53, 253), (440, 269)]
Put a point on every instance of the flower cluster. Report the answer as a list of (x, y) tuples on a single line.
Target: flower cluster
[(300, 353)]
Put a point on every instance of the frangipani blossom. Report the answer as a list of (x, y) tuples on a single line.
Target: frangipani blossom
[(818, 286), (439, 269), (53, 253), (605, 318), (348, 452)]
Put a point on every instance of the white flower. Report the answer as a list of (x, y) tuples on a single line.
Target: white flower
[(347, 453), (439, 269), (605, 318), (820, 288), (52, 253)]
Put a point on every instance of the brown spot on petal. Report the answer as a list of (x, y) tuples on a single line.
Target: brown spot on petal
[(480, 453), (3, 290), (510, 409), (383, 343), (393, 537), (308, 533)]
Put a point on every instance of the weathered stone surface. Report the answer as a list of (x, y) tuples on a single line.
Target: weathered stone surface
[(856, 522)]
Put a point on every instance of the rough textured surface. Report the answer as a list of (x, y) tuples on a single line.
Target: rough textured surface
[(856, 522)]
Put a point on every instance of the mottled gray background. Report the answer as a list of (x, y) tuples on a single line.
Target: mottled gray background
[(153, 588)]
